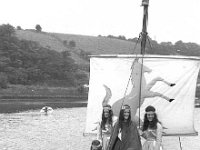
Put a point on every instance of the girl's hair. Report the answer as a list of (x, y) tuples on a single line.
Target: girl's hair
[(150, 108), (121, 116), (104, 120), (150, 124)]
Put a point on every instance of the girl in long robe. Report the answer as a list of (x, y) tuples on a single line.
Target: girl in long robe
[(151, 130), (125, 135), (105, 126)]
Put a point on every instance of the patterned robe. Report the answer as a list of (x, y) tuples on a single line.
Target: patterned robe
[(103, 135), (126, 139), (153, 138)]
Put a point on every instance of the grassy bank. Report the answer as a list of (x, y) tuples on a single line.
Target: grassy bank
[(41, 92), (19, 98)]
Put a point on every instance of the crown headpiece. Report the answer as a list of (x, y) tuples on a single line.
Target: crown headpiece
[(126, 107), (107, 108)]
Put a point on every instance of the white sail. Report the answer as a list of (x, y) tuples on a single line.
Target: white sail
[(114, 72)]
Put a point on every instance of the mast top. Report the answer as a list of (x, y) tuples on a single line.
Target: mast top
[(145, 2)]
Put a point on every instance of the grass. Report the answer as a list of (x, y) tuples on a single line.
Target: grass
[(39, 92), (92, 44), (23, 98)]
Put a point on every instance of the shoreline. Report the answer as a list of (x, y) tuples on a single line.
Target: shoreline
[(24, 103), (14, 104)]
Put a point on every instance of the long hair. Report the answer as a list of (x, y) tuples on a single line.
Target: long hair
[(150, 124), (109, 119), (121, 117)]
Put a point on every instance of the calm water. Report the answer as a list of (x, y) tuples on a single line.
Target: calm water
[(63, 130)]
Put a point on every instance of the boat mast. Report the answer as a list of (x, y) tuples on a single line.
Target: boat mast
[(145, 4)]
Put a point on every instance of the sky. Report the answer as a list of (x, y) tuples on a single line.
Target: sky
[(169, 20)]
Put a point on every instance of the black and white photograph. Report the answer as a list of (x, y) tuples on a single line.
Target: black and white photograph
[(100, 75)]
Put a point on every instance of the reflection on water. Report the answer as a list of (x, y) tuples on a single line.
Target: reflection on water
[(63, 130)]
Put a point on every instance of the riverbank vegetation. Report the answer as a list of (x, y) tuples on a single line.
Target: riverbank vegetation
[(35, 63), (42, 92), (24, 62)]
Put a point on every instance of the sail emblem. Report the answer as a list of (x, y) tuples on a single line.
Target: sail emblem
[(139, 86)]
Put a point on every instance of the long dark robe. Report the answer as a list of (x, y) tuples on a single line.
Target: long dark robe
[(130, 139)]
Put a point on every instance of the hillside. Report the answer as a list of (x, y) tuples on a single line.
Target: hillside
[(29, 60), (90, 44)]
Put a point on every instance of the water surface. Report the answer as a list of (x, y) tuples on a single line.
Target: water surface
[(63, 130)]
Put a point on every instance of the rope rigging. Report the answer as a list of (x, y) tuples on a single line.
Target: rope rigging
[(143, 37)]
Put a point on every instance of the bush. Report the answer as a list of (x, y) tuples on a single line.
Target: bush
[(19, 28), (72, 44), (3, 81), (38, 28)]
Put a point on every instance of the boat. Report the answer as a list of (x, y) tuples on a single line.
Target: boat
[(46, 110), (164, 81)]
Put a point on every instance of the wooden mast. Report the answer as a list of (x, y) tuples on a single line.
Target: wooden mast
[(145, 4)]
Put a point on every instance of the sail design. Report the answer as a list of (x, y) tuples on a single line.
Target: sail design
[(166, 82)]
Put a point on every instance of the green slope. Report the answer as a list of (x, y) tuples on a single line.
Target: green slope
[(91, 44)]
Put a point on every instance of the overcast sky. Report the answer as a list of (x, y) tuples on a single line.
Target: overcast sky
[(169, 20)]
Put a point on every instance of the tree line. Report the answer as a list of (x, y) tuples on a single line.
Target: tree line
[(164, 48)]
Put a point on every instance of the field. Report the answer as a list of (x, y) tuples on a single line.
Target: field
[(91, 44)]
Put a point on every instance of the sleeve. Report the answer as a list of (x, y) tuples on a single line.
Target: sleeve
[(115, 118), (114, 134), (99, 132), (159, 136)]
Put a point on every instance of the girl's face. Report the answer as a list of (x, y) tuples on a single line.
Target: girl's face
[(106, 113), (150, 115), (126, 114)]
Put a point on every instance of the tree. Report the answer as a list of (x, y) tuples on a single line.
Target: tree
[(65, 42), (38, 28), (3, 80), (72, 44), (121, 37), (7, 30), (19, 28)]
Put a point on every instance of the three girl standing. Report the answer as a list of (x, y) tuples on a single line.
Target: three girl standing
[(124, 135)]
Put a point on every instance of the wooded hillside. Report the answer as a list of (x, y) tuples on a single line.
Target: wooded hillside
[(37, 57)]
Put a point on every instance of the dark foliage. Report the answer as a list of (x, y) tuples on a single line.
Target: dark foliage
[(19, 28), (26, 62), (38, 28), (72, 44), (3, 80), (165, 48)]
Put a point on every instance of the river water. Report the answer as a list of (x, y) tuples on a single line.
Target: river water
[(63, 130)]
